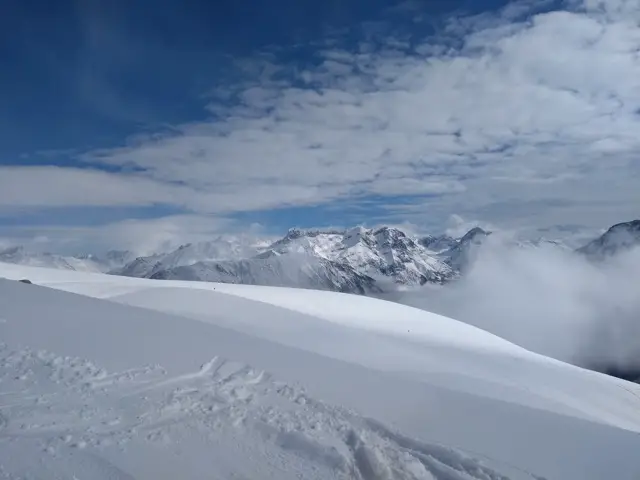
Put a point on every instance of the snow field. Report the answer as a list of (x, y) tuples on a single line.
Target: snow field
[(190, 380)]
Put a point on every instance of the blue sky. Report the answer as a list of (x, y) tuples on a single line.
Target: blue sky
[(132, 124)]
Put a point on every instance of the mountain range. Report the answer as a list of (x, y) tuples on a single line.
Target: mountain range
[(83, 263), (356, 260)]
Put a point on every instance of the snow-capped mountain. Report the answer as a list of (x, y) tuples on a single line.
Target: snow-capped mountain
[(619, 238), (438, 243), (83, 263), (222, 248), (21, 256), (460, 256), (357, 260), (386, 253), (111, 260), (275, 269)]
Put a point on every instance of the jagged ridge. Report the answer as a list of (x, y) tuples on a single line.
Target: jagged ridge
[(356, 260)]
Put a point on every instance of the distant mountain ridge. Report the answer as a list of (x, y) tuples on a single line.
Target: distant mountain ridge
[(84, 263), (460, 256), (438, 243), (355, 260), (619, 238), (221, 248), (272, 269)]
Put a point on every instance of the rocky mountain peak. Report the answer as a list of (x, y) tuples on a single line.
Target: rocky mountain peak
[(620, 237), (476, 234)]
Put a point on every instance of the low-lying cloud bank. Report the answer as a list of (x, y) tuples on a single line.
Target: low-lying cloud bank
[(551, 301)]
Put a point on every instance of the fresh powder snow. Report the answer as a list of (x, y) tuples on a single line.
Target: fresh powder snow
[(115, 377)]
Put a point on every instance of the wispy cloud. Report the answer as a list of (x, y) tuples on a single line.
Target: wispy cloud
[(541, 108), (515, 117)]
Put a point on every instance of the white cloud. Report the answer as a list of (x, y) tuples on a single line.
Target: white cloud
[(550, 301), (52, 186), (57, 186), (528, 122)]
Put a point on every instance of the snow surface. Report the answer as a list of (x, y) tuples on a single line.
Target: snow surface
[(135, 378)]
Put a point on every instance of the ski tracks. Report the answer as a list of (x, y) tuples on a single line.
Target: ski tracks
[(67, 403)]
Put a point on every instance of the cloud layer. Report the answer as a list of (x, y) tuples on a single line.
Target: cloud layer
[(515, 118), (523, 117), (551, 301)]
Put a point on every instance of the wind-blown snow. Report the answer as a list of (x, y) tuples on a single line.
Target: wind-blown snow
[(173, 379)]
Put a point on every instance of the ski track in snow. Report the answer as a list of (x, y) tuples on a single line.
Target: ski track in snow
[(69, 404)]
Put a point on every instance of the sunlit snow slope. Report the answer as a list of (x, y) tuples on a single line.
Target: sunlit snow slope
[(167, 379)]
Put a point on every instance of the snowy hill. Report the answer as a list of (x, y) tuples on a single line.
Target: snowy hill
[(619, 238), (197, 380)]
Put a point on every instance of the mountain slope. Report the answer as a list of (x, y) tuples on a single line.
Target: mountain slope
[(294, 270), (390, 252), (193, 380), (620, 237)]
